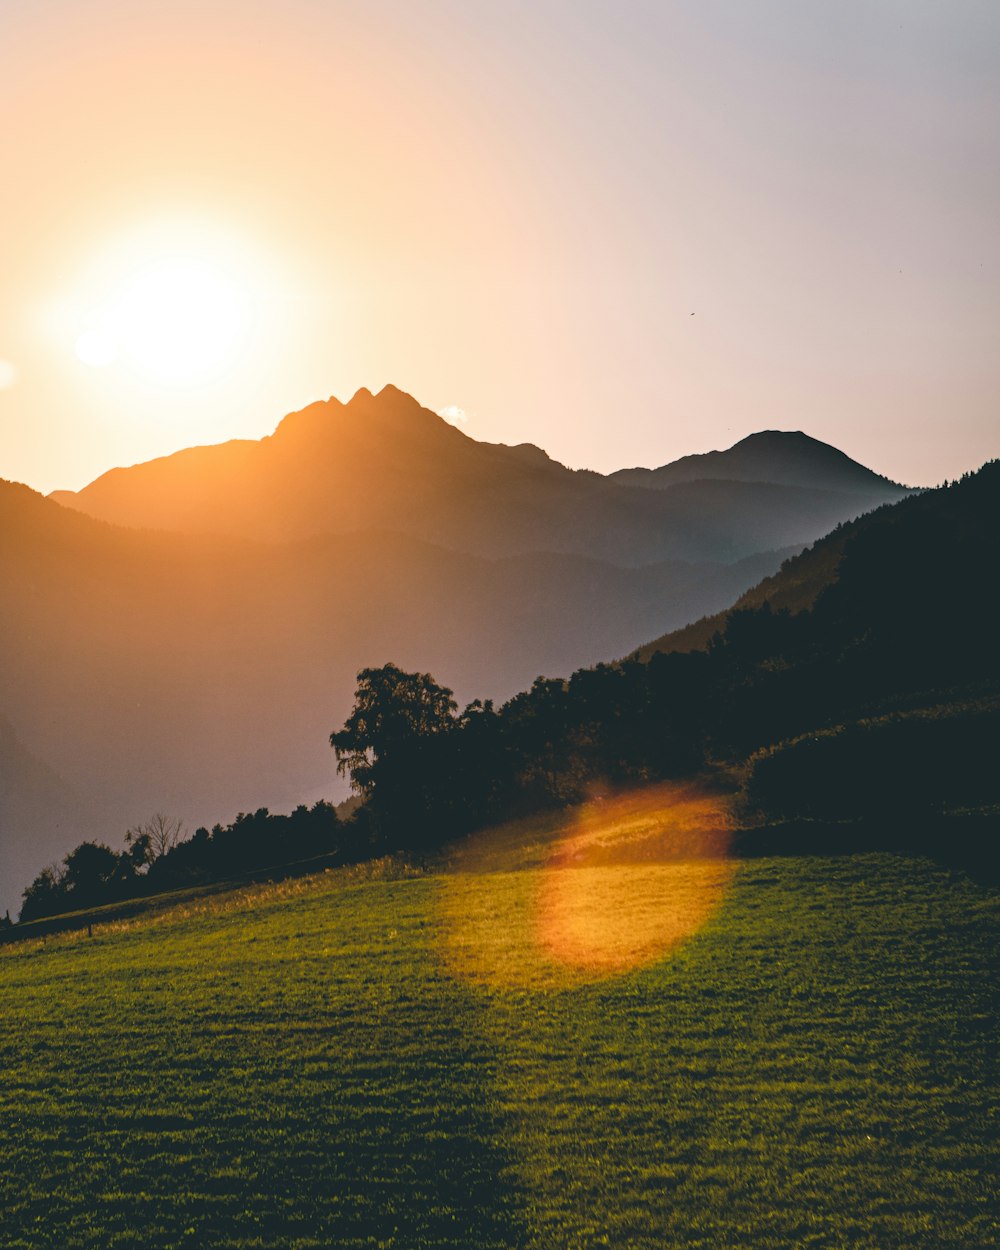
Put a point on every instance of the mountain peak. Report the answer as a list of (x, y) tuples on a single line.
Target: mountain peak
[(787, 437), (389, 394), (783, 457), (792, 450)]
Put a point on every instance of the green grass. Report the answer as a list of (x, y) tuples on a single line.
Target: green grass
[(396, 1063)]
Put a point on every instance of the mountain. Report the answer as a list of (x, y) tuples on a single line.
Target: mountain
[(185, 634), (382, 461), (788, 457), (201, 675)]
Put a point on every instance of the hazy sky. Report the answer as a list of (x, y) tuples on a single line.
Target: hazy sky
[(213, 213)]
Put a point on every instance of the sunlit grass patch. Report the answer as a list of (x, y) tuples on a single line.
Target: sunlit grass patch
[(595, 891), (192, 904)]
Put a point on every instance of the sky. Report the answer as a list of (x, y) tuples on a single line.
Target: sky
[(624, 231)]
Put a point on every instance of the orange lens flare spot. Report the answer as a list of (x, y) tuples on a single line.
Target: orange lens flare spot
[(609, 887), (610, 920)]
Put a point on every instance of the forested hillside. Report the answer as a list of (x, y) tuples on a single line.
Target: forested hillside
[(903, 636)]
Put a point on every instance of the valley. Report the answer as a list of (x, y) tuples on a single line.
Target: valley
[(189, 646)]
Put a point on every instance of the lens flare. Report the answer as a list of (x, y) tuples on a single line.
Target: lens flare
[(609, 887)]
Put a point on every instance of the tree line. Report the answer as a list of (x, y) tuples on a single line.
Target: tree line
[(158, 857)]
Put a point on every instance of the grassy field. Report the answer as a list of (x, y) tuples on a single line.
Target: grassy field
[(569, 1037)]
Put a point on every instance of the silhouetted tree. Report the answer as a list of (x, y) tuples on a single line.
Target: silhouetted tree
[(154, 838), (45, 895), (92, 870), (392, 710)]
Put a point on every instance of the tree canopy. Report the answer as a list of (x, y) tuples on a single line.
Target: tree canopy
[(392, 709)]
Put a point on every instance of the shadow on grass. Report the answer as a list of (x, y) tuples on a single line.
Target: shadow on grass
[(263, 1081)]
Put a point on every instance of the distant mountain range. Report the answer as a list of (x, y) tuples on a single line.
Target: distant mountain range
[(190, 644), (382, 461)]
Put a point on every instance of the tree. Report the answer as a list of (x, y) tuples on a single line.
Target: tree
[(394, 713), (92, 872), (45, 896), (154, 838)]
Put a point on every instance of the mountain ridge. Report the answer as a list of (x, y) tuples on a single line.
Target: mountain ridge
[(385, 461)]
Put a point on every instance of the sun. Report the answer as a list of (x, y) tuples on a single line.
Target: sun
[(177, 321), (178, 310)]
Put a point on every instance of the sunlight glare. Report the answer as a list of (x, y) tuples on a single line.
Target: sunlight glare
[(612, 886), (98, 346), (180, 322), (177, 303)]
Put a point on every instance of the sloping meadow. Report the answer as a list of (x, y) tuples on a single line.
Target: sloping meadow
[(796, 1053)]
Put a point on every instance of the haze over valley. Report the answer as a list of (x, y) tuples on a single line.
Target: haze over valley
[(189, 645)]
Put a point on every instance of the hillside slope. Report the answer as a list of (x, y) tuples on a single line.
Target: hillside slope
[(342, 1062), (793, 588), (896, 607), (927, 538)]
